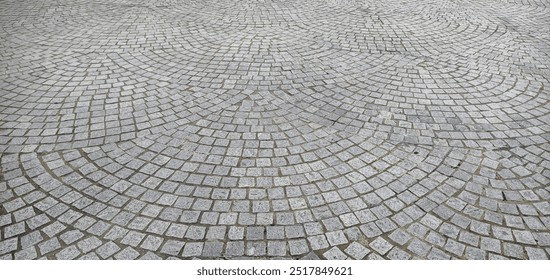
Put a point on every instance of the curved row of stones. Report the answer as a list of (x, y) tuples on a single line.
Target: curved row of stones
[(275, 129)]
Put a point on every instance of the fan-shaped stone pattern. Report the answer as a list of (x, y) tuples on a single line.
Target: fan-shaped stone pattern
[(274, 129)]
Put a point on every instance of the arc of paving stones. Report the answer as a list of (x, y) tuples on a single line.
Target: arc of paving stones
[(467, 75), (86, 87), (192, 207), (196, 201), (370, 106), (438, 202), (279, 60), (99, 59), (71, 66), (487, 88), (202, 180)]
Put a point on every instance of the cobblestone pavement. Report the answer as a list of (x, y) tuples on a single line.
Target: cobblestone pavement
[(331, 129)]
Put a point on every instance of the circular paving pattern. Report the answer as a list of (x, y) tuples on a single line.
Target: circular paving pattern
[(317, 129)]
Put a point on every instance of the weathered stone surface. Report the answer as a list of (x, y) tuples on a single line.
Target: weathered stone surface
[(274, 129)]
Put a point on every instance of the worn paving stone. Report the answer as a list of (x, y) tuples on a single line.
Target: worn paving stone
[(380, 245), (172, 247), (398, 254), (70, 237), (26, 254), (31, 239), (127, 254), (318, 242), (334, 254), (193, 249), (258, 248), (89, 244), (437, 254), (276, 248), (7, 246), (275, 129), (298, 247), (235, 248), (357, 251), (13, 230), (336, 238), (151, 243), (213, 249), (68, 253), (49, 246), (107, 249)]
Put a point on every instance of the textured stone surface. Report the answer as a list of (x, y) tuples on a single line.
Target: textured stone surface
[(315, 129)]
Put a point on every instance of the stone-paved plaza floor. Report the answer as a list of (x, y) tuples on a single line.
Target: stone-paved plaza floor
[(293, 129)]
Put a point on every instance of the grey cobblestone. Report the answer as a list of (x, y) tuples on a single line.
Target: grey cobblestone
[(70, 237), (53, 229), (334, 254), (419, 248), (357, 251), (116, 233), (213, 249), (536, 253), (276, 248), (436, 254), (172, 247), (256, 248), (31, 239), (398, 254), (235, 248), (151, 243), (475, 253), (195, 232), (89, 244), (8, 245), (176, 230), (13, 230), (37, 221), (298, 247), (107, 249), (49, 246), (380, 245), (336, 238), (68, 253), (318, 242), (192, 249), (455, 247), (127, 254), (26, 254)]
